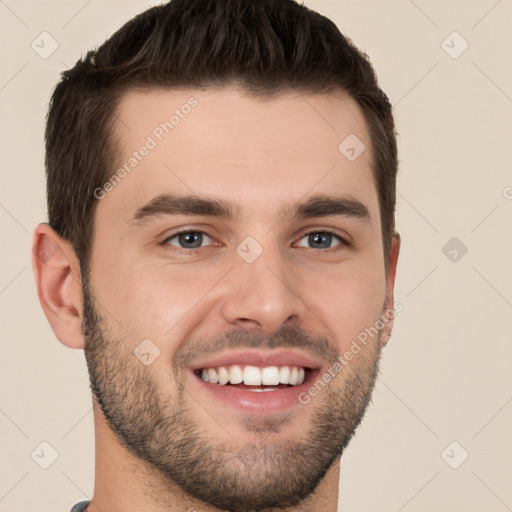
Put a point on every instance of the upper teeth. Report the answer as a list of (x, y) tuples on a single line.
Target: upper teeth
[(254, 376)]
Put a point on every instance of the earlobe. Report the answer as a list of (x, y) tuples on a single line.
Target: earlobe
[(57, 275), (388, 315)]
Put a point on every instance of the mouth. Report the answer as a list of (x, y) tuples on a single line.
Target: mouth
[(256, 382)]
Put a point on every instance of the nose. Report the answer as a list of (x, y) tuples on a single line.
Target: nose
[(261, 294)]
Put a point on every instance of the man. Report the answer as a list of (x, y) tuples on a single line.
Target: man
[(221, 243)]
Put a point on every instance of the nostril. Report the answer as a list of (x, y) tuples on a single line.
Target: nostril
[(248, 323)]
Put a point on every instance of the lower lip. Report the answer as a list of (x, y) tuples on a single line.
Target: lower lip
[(252, 401)]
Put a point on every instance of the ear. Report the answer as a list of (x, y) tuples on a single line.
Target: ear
[(57, 273), (389, 312)]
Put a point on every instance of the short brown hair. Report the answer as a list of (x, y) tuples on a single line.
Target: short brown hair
[(265, 47)]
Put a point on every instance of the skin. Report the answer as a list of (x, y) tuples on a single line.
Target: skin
[(263, 155)]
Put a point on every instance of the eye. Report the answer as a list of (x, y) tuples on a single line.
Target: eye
[(321, 240), (188, 239)]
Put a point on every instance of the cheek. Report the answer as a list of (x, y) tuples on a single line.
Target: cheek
[(157, 301), (348, 302)]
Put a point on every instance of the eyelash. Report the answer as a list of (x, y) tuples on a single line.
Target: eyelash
[(181, 250)]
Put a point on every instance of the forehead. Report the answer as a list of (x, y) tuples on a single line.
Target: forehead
[(202, 118), (226, 143)]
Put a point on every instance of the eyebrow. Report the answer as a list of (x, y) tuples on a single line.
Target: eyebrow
[(316, 206)]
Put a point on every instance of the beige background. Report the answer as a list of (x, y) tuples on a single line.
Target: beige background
[(446, 374)]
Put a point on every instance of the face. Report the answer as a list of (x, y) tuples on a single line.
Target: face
[(234, 263)]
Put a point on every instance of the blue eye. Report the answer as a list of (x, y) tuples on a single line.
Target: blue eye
[(321, 240), (188, 239)]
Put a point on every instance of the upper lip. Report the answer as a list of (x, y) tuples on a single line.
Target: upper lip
[(261, 358)]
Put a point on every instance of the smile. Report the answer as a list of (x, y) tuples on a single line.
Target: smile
[(259, 379)]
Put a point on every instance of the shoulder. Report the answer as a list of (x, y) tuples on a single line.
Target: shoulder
[(80, 507)]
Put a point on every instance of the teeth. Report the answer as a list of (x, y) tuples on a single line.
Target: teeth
[(236, 374), (212, 376), (284, 375), (294, 376), (270, 376), (254, 376), (223, 375)]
